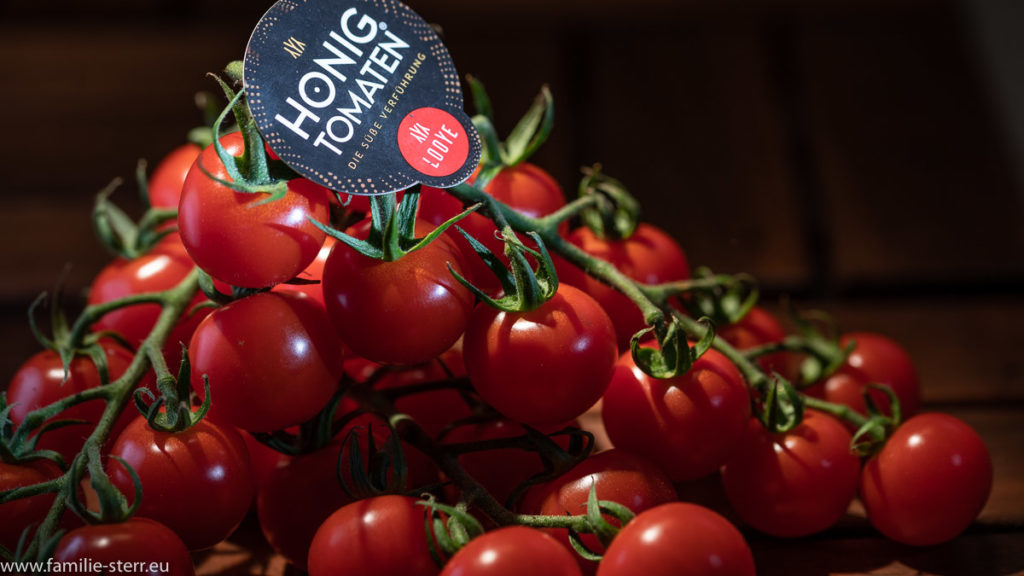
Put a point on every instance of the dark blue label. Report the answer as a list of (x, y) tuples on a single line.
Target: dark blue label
[(360, 96)]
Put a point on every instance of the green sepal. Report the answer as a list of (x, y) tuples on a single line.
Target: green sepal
[(385, 471), (616, 213), (113, 505), (524, 289), (673, 356), (481, 101), (781, 408), (580, 548), (873, 434), (447, 538), (531, 131)]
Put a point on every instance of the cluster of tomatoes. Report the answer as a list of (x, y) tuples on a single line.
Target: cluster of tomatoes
[(470, 403)]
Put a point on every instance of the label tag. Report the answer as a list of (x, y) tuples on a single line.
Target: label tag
[(360, 96)]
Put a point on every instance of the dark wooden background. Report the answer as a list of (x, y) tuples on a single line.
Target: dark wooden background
[(852, 156)]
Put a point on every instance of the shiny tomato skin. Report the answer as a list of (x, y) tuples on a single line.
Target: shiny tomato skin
[(929, 482), (198, 482), (24, 512), (678, 538), (649, 256), (40, 382), (759, 327), (144, 545), (688, 425), (383, 536), (793, 484), (164, 186), (407, 311), (240, 241), (876, 359), (272, 360), (512, 551), (545, 366), (616, 475), (162, 268), (525, 187)]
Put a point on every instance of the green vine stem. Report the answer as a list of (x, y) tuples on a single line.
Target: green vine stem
[(652, 300), (117, 394)]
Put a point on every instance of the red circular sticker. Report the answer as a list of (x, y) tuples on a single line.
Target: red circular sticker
[(433, 142)]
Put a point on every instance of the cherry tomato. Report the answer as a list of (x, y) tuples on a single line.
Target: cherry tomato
[(793, 484), (169, 175), (878, 360), (383, 536), (526, 188), (757, 328), (407, 311), (239, 238), (649, 256), (678, 538), (162, 268), (24, 512), (271, 358), (304, 490), (688, 425), (135, 546), (512, 551), (929, 482), (40, 382), (197, 482), (616, 475), (545, 366)]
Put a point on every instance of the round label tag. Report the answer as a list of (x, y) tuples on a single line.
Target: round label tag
[(360, 96)]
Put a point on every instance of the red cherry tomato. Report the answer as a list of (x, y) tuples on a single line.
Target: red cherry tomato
[(649, 256), (40, 382), (304, 490), (878, 360), (407, 311), (688, 425), (24, 512), (135, 546), (793, 484), (197, 482), (160, 269), (512, 551), (383, 536), (678, 538), (271, 358), (929, 482), (616, 475), (542, 367), (525, 187), (757, 328), (240, 239), (166, 181)]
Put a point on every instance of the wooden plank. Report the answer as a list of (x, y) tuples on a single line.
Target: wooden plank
[(688, 123), (965, 349), (916, 186)]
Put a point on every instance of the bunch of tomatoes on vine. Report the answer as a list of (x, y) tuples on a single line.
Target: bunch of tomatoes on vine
[(395, 383)]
